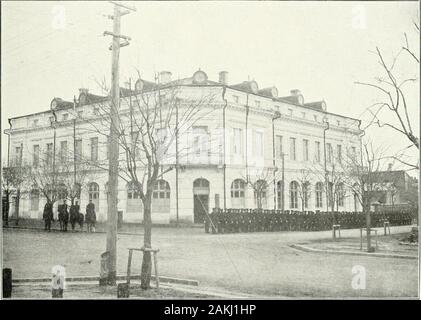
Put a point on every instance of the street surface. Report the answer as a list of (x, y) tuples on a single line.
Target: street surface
[(252, 263)]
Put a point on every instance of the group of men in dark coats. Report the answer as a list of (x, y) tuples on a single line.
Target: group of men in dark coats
[(72, 215), (257, 220)]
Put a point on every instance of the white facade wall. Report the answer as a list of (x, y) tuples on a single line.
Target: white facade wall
[(301, 124)]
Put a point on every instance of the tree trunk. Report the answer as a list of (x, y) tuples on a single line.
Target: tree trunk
[(17, 206), (145, 276)]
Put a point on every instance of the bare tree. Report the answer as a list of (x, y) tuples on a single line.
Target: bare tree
[(12, 182), (362, 177), (392, 87), (303, 187), (154, 126)]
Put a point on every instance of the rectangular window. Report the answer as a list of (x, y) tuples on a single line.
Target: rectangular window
[(78, 149), (35, 155), (339, 151), (305, 150), (236, 99), (329, 152), (317, 151), (94, 149), (259, 144), (35, 122), (279, 148), (65, 116), (292, 151), (63, 151), (200, 140), (49, 153), (238, 141)]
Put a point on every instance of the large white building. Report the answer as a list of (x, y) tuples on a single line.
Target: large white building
[(241, 140)]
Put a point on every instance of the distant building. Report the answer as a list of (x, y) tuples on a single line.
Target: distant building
[(250, 128), (394, 188)]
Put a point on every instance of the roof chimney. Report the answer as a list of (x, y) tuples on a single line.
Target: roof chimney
[(295, 92), (164, 77), (83, 90), (223, 77)]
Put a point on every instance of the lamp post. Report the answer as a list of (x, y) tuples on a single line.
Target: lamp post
[(276, 116)]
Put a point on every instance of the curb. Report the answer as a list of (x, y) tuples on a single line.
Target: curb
[(162, 279), (374, 254)]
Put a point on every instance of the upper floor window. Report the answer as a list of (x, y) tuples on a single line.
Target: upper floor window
[(94, 149), (238, 141), (339, 151), (292, 151), (63, 151), (329, 152), (65, 116), (49, 153), (259, 143), (35, 155), (305, 150), (78, 149), (200, 140), (278, 144), (317, 151)]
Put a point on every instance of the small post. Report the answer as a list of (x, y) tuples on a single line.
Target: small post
[(361, 239), (129, 265), (7, 283), (155, 261)]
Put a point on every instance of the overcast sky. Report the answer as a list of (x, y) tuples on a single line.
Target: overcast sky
[(321, 48)]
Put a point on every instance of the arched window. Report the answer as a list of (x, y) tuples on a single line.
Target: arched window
[(260, 192), (161, 197), (319, 195), (134, 203), (305, 194), (279, 194), (330, 194), (93, 194), (161, 190), (34, 199), (293, 195), (341, 194), (238, 190)]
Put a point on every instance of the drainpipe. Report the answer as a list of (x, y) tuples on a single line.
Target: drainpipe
[(247, 118), (224, 89), (176, 161), (54, 154), (74, 143), (325, 167), (277, 116), (8, 142)]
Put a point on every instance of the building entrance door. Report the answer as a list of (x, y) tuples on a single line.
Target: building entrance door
[(200, 200), (201, 207)]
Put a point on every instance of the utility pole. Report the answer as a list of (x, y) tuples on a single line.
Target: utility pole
[(113, 144)]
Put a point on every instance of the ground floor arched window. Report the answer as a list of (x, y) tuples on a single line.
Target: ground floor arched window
[(134, 202), (161, 197), (34, 199), (341, 194), (238, 191), (201, 191), (293, 195), (260, 193), (319, 195), (305, 190), (93, 194)]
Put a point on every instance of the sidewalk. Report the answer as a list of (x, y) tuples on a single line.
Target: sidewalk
[(100, 227)]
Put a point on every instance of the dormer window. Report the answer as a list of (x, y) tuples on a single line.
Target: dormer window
[(303, 114), (51, 119), (338, 123), (257, 104), (315, 118), (96, 111), (236, 98), (290, 112), (65, 116), (35, 123)]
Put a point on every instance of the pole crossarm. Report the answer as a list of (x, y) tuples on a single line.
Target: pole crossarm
[(108, 33)]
